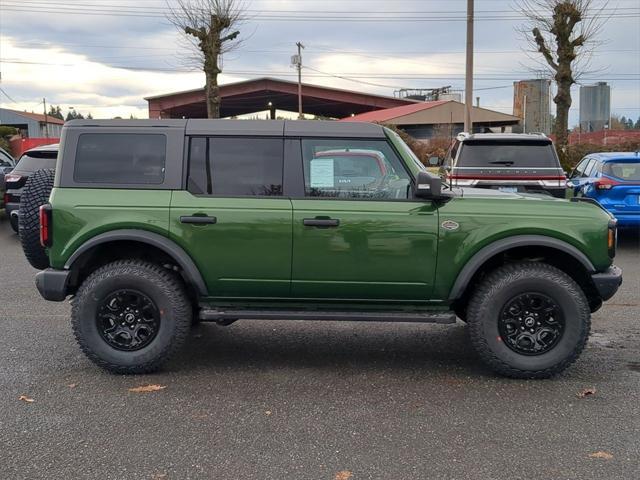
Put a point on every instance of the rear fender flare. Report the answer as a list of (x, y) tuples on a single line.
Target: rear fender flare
[(184, 261)]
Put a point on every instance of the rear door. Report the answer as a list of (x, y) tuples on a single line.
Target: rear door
[(233, 219), (357, 234)]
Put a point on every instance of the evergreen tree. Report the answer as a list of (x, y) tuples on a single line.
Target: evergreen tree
[(55, 112), (637, 125)]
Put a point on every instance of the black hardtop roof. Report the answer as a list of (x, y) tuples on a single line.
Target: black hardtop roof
[(289, 128)]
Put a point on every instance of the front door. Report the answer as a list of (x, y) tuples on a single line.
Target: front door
[(233, 219), (357, 234)]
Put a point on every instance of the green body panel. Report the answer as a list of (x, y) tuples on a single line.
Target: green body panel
[(380, 251), (383, 253), (80, 214), (247, 253), (484, 219)]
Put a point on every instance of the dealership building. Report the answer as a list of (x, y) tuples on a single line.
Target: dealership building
[(420, 119)]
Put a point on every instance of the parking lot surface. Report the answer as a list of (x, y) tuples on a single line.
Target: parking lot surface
[(312, 400)]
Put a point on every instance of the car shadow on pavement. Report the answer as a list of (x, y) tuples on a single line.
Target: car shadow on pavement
[(330, 345)]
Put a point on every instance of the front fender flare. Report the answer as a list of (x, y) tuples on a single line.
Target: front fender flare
[(189, 268), (499, 246)]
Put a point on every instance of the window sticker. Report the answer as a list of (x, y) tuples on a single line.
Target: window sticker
[(322, 174)]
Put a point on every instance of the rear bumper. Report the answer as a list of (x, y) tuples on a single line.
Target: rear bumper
[(608, 282), (52, 284)]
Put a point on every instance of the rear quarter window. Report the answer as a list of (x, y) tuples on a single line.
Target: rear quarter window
[(121, 158), (507, 154)]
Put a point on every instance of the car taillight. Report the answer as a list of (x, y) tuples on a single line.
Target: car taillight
[(605, 184), (7, 198), (45, 225), (12, 177), (612, 237)]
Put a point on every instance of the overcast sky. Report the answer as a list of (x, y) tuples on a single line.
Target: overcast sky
[(107, 61)]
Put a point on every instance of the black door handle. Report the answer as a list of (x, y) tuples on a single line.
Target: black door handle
[(199, 220), (321, 222)]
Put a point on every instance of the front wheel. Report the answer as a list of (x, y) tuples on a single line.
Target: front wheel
[(131, 316), (528, 320)]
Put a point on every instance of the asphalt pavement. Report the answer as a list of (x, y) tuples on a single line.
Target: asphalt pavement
[(312, 400)]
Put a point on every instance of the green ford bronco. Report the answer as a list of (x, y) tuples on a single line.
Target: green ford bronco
[(150, 226)]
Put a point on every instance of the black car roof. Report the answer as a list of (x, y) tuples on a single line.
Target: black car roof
[(290, 128)]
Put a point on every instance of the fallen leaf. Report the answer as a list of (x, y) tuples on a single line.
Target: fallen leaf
[(344, 475), (72, 385), (602, 455), (586, 392), (26, 399), (159, 476), (268, 412), (147, 388)]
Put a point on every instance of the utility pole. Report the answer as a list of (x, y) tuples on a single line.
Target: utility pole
[(299, 66), (468, 89), (46, 119)]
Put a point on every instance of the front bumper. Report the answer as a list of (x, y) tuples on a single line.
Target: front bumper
[(608, 282), (52, 284)]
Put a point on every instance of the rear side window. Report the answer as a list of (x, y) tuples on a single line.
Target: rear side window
[(507, 154), (624, 171), (32, 161), (236, 166), (121, 158)]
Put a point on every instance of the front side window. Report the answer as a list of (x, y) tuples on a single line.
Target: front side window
[(354, 169), (236, 166), (121, 158)]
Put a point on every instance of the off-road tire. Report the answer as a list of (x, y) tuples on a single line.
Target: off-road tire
[(505, 283), (35, 193), (162, 286)]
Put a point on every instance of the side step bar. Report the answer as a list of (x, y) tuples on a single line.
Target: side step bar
[(227, 316)]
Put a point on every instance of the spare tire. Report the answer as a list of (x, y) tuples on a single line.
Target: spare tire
[(34, 194)]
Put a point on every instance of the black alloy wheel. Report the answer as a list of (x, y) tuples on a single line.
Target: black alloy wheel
[(531, 324), (128, 320)]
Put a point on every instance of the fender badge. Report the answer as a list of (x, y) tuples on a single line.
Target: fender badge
[(450, 225)]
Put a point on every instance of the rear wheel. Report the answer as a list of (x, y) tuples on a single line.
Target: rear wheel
[(131, 316), (35, 194), (528, 320)]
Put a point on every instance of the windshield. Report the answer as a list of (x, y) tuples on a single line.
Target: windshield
[(498, 154), (623, 171), (30, 162), (405, 150)]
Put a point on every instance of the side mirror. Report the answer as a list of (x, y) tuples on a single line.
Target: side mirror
[(428, 186), (434, 161)]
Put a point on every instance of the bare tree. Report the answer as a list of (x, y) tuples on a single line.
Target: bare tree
[(210, 27), (564, 32)]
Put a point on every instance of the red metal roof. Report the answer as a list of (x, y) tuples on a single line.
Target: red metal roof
[(395, 112), (37, 116)]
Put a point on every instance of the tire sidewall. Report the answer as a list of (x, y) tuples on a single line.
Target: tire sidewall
[(574, 330), (97, 289)]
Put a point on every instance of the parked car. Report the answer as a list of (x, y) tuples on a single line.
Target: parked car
[(35, 159), (7, 164), (522, 163), (613, 180), (149, 224)]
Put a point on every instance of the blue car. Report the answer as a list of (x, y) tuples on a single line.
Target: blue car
[(613, 179)]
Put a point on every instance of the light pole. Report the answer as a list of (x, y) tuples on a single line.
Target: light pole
[(468, 89)]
